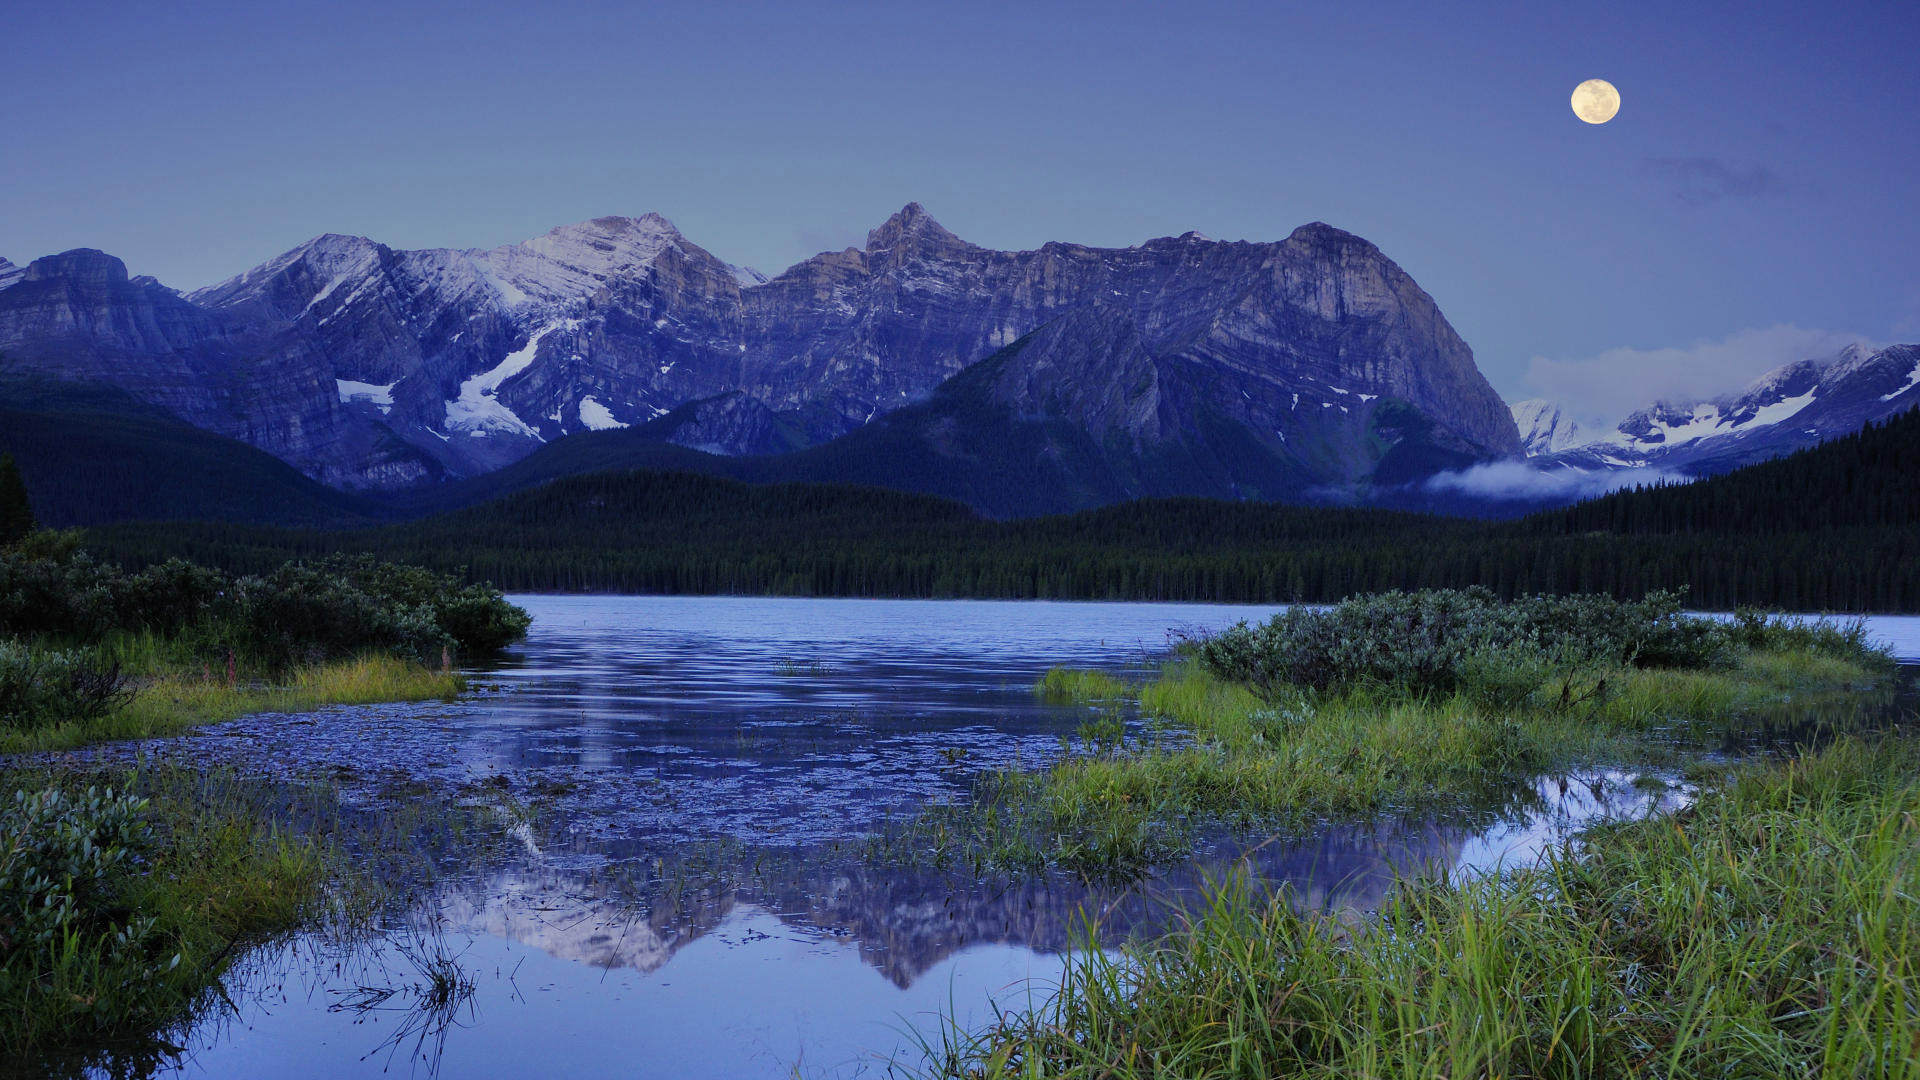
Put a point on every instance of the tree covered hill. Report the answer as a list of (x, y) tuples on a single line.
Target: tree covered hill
[(1830, 528)]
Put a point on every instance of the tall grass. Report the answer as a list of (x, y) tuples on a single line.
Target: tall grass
[(1222, 754), (178, 700), (145, 939), (1771, 930)]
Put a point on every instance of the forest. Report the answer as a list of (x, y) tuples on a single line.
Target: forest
[(1832, 527)]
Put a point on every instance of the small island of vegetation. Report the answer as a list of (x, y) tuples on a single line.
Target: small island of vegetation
[(1769, 928)]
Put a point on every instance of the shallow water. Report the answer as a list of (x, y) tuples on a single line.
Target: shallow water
[(678, 906)]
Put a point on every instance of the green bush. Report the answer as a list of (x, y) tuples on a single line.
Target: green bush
[(64, 864), (44, 687), (302, 612), (1440, 641), (1760, 630)]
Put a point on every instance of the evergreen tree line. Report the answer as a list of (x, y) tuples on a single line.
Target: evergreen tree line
[(1830, 528)]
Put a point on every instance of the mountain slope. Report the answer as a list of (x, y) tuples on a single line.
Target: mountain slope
[(1867, 479), (92, 455)]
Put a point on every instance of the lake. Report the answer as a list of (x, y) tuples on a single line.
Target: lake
[(689, 899)]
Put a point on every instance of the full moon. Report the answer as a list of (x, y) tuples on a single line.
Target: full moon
[(1595, 101)]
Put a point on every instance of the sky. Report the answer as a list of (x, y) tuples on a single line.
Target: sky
[(1756, 200)]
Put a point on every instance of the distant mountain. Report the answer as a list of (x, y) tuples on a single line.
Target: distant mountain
[(1248, 369), (92, 455), (1794, 406)]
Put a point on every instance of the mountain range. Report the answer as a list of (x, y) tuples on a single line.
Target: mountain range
[(1309, 369), (1793, 405)]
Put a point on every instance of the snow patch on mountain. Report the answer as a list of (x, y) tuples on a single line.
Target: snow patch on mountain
[(478, 410), (351, 391), (9, 273), (1913, 380), (597, 417)]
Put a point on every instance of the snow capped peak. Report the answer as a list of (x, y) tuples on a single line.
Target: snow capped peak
[(327, 261), (1544, 428), (9, 273), (1849, 360), (747, 276), (574, 261)]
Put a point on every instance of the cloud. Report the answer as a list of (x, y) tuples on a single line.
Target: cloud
[(1909, 320), (1709, 179), (1519, 481), (1599, 391)]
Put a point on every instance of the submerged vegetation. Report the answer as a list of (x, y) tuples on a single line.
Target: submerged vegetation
[(1772, 929)]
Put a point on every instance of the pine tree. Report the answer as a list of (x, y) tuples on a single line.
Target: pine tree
[(16, 513)]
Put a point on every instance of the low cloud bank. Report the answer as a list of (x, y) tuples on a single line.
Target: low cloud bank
[(1519, 481)]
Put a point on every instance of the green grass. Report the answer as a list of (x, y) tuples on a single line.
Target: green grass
[(177, 700), (1074, 686), (1771, 930), (218, 878), (1218, 755)]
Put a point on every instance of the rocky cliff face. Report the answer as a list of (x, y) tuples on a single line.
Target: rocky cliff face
[(369, 366)]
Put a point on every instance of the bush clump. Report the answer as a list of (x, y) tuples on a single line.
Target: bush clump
[(42, 687), (304, 612), (1440, 641), (65, 861)]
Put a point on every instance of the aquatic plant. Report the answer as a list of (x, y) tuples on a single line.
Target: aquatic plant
[(1771, 930)]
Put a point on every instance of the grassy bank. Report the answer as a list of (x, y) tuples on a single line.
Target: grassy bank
[(1400, 704), (169, 701), (126, 895), (1771, 930), (1214, 754)]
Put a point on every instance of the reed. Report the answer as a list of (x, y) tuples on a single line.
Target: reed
[(1771, 930)]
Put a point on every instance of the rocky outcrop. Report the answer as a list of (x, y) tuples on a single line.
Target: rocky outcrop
[(1544, 427), (370, 366)]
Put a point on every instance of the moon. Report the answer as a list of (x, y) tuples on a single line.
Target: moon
[(1596, 101)]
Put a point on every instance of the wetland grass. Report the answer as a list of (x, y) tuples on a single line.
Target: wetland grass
[(128, 894), (172, 700), (1422, 704), (1772, 929)]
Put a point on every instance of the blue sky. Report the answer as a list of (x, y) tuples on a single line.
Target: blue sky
[(1758, 195)]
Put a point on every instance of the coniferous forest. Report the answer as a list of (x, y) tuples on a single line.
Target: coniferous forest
[(1834, 527)]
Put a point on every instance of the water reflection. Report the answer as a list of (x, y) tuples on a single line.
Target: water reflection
[(677, 773)]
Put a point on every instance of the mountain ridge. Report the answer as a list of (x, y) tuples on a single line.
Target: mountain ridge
[(368, 366)]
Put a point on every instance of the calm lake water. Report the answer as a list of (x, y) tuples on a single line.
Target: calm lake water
[(687, 903)]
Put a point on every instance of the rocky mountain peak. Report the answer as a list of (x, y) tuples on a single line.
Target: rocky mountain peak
[(912, 230), (88, 266), (9, 273), (1321, 234), (607, 242), (1544, 427)]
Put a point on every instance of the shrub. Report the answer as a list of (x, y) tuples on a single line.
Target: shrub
[(303, 612), (46, 687), (64, 863), (1442, 640)]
